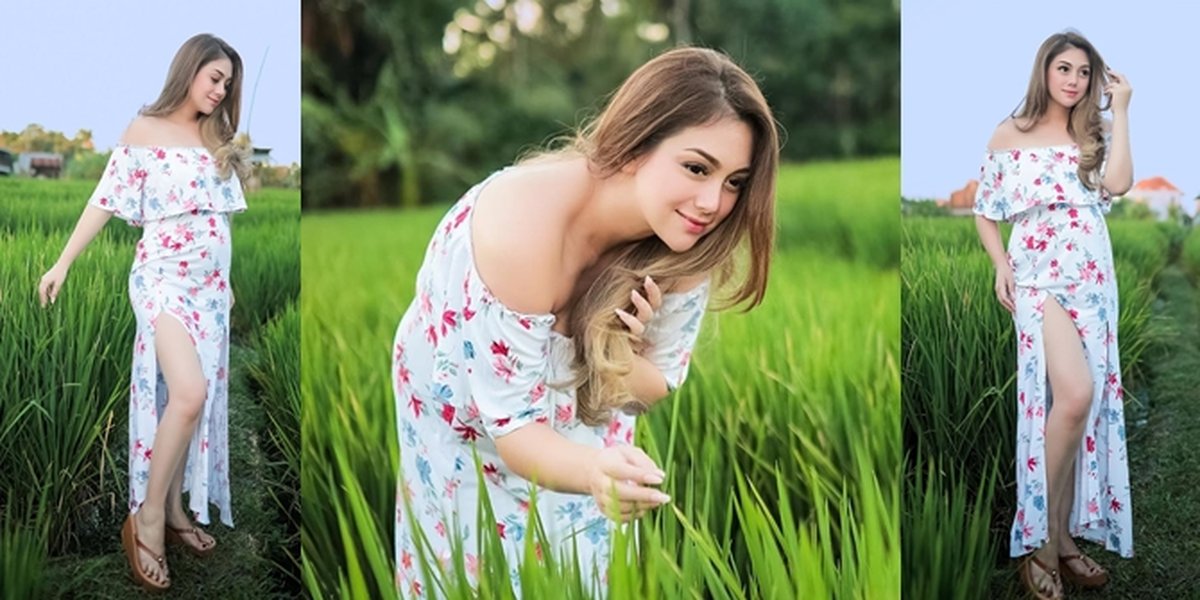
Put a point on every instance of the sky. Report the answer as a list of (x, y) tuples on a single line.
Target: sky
[(69, 65), (965, 67)]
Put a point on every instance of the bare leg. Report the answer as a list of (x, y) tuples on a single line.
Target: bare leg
[(1071, 386), (1083, 565), (177, 516), (186, 392)]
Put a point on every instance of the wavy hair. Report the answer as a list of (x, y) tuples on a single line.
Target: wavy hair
[(1084, 123), (680, 88), (217, 129)]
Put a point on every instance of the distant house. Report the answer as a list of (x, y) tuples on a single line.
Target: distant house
[(1160, 195), (962, 201), (40, 164), (261, 157), (6, 162)]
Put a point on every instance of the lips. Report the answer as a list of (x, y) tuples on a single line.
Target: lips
[(693, 225)]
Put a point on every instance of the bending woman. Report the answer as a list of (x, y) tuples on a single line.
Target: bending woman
[(561, 297)]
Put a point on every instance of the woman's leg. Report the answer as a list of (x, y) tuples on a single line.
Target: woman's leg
[(186, 392), (177, 516), (1071, 389)]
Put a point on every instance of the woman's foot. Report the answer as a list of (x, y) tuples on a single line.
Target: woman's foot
[(1079, 568), (1040, 575), (180, 530), (145, 552)]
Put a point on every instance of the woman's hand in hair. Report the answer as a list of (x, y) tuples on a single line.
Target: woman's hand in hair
[(615, 478), (1119, 90), (646, 307)]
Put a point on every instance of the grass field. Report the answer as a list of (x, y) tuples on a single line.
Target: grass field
[(959, 398), (782, 449), (64, 381)]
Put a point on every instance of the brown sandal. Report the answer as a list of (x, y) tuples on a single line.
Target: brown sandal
[(131, 544), (1093, 581), (175, 536), (1032, 586)]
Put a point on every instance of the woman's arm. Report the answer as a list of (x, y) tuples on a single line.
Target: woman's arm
[(989, 235), (90, 223), (1118, 174)]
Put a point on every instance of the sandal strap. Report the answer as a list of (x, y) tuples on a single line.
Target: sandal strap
[(157, 557), (1041, 565)]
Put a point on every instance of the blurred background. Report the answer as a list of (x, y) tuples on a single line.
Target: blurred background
[(411, 102)]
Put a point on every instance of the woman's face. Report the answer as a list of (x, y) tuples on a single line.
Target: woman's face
[(211, 85), (1068, 76), (690, 182)]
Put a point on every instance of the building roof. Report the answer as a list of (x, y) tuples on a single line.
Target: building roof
[(1155, 184)]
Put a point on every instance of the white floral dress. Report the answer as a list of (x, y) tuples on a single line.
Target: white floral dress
[(1060, 246), (466, 369), (180, 270)]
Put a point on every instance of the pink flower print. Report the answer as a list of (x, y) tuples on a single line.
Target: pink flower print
[(440, 528), (1016, 155), (160, 154), (525, 322), (501, 422), (1091, 444), (467, 313), (406, 560), (449, 321), (1038, 181), (416, 405), (500, 530), (1093, 506), (448, 413), (1115, 505), (472, 410), (563, 413), (492, 472), (466, 433), (461, 216), (472, 565), (431, 335), (204, 445), (537, 392), (1032, 463)]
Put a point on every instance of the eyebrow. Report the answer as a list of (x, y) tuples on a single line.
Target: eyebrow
[(712, 159), (219, 71), (1063, 61)]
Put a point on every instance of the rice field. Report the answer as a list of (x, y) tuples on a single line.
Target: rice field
[(781, 450), (64, 381), (959, 398)]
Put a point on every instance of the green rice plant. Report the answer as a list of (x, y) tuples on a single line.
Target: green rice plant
[(276, 375), (780, 449), (24, 561)]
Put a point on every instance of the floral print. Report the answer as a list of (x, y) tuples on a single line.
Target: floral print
[(1060, 248), (466, 369), (181, 271)]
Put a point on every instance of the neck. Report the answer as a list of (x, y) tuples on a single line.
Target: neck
[(608, 215), (184, 115), (1056, 115)]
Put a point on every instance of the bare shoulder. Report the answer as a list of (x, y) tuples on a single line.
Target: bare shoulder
[(517, 236), (142, 131), (1006, 135)]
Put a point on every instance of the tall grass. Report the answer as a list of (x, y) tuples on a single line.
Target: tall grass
[(782, 449), (64, 370), (958, 393)]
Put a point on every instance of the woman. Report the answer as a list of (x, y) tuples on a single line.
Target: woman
[(1051, 170), (177, 174), (522, 343)]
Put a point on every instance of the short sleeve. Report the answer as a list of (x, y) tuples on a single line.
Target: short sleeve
[(121, 187), (991, 201), (507, 357), (672, 332)]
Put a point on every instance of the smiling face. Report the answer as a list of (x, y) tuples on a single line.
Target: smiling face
[(211, 85), (1068, 77), (691, 181)]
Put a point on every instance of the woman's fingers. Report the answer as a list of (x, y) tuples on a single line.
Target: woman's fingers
[(636, 327), (638, 457), (653, 293), (631, 492), (644, 311)]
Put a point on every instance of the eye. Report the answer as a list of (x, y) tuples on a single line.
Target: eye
[(1063, 69), (1085, 73), (736, 184), (696, 168)]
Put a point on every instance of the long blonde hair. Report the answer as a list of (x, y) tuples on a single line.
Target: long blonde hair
[(1084, 123), (217, 128), (680, 88)]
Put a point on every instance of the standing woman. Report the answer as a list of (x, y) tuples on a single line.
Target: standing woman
[(176, 174), (1052, 169), (562, 296)]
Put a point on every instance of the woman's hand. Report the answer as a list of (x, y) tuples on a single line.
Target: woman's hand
[(614, 480), (646, 306), (1118, 90), (52, 283), (1006, 288)]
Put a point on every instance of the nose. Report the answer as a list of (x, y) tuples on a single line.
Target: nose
[(709, 198)]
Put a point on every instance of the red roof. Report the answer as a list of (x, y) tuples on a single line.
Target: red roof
[(1155, 184)]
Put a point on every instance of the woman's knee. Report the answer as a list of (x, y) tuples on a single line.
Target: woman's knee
[(188, 399), (1073, 401)]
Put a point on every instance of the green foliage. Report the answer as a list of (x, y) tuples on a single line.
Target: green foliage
[(87, 166), (959, 387), (394, 119), (64, 386), (780, 450)]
